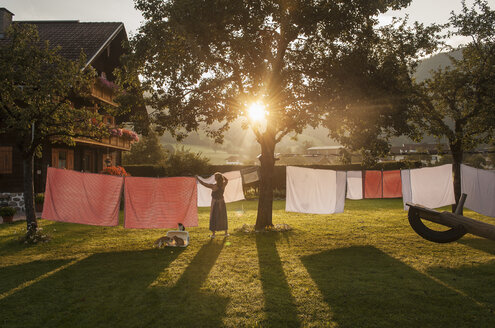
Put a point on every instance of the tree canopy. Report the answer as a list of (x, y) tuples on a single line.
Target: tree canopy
[(458, 101), (42, 94), (43, 97), (308, 62)]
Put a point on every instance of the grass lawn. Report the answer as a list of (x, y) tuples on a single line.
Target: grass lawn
[(362, 268)]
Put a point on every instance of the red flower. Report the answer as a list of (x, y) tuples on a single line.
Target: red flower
[(115, 170)]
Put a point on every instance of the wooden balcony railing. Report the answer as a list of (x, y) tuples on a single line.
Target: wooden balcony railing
[(115, 142), (104, 91)]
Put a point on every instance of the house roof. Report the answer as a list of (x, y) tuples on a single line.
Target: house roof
[(74, 36)]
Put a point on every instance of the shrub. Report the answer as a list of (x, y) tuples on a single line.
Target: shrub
[(7, 211), (184, 162), (39, 198)]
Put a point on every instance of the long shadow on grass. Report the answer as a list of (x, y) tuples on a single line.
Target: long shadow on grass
[(367, 288), (114, 290), (186, 304), (106, 289), (280, 307), (476, 281), (484, 245), (15, 275)]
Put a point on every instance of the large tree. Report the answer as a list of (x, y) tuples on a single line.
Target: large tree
[(458, 101), (43, 97), (205, 62)]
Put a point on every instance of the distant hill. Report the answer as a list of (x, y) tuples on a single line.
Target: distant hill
[(441, 60)]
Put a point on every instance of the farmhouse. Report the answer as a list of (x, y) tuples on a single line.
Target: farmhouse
[(102, 43)]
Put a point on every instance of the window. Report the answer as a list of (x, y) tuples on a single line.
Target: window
[(63, 158), (5, 160), (89, 161)]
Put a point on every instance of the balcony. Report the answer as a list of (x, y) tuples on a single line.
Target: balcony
[(104, 90), (121, 139), (114, 142)]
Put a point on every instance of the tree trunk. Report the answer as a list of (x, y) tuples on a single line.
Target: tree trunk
[(457, 155), (28, 166), (265, 203)]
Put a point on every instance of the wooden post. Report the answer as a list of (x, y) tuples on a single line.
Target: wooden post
[(460, 206), (455, 221)]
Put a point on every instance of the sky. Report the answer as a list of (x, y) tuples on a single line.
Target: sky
[(424, 11)]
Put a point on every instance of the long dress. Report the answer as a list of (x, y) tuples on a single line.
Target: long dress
[(218, 211)]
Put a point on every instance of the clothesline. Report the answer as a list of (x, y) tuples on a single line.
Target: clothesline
[(94, 199)]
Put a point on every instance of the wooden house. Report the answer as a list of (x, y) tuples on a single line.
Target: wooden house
[(102, 43)]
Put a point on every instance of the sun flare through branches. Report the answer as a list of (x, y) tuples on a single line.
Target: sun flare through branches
[(257, 112)]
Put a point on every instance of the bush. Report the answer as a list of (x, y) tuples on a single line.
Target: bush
[(181, 163), (7, 211), (39, 198)]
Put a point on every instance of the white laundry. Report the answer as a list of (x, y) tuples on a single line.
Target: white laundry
[(479, 185), (405, 176), (354, 184), (233, 191), (430, 186), (315, 191)]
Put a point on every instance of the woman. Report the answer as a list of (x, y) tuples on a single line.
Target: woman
[(218, 210)]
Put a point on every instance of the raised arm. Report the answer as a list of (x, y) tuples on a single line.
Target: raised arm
[(207, 185)]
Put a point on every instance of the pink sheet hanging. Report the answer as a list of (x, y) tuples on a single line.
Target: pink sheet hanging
[(392, 186), (160, 203), (373, 184), (84, 198)]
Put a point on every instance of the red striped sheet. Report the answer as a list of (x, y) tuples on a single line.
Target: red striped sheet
[(392, 185), (84, 198), (160, 203)]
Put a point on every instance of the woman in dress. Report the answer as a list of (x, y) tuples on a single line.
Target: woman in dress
[(218, 210)]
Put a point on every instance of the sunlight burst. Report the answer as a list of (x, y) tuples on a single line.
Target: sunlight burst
[(257, 111)]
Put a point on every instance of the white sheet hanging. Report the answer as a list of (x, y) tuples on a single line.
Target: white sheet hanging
[(340, 198), (315, 191), (432, 186), (233, 192), (354, 184), (479, 185), (405, 176)]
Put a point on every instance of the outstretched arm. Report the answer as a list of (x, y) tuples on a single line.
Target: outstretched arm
[(207, 185)]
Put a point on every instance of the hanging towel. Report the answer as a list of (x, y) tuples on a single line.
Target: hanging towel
[(315, 191), (355, 184), (479, 185), (432, 186), (233, 191), (392, 186), (405, 176), (84, 198), (373, 184), (340, 187), (160, 203), (250, 174)]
